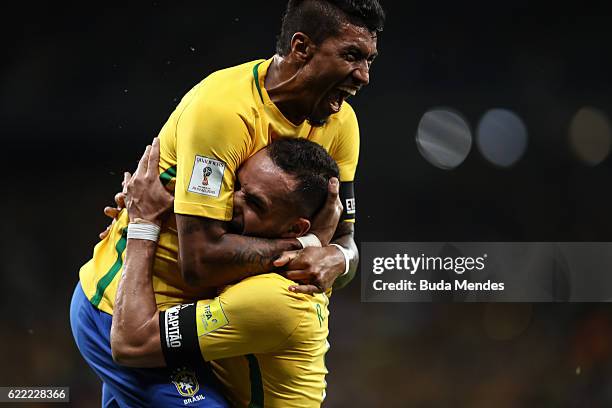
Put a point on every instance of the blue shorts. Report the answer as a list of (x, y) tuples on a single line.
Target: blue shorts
[(136, 387)]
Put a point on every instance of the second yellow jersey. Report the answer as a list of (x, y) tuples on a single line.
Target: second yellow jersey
[(268, 344), (218, 125)]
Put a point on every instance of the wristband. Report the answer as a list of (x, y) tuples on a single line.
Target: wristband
[(140, 230), (142, 221), (309, 240), (347, 257)]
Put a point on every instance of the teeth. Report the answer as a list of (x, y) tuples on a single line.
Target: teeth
[(350, 91)]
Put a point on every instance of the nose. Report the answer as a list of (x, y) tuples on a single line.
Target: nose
[(237, 210), (238, 200), (362, 74)]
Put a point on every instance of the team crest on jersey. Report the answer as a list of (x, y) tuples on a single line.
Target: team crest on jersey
[(186, 382), (210, 316), (206, 176)]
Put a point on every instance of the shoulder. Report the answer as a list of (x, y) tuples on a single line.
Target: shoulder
[(343, 125), (262, 307), (345, 128), (229, 83), (226, 92), (346, 116), (241, 73), (267, 295)]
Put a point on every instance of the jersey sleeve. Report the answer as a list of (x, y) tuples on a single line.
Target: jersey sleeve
[(257, 315), (346, 149), (212, 141), (346, 154)]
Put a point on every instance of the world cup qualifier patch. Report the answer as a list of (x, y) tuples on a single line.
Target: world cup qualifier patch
[(206, 176)]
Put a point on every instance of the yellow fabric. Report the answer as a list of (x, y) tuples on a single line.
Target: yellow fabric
[(223, 119), (285, 332)]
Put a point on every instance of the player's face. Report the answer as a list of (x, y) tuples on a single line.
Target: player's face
[(340, 66), (262, 199)]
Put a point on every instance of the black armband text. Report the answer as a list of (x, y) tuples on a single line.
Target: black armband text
[(179, 337), (347, 197)]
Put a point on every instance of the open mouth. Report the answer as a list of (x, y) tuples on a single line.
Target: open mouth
[(339, 95)]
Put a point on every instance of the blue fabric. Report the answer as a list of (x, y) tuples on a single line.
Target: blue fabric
[(130, 387)]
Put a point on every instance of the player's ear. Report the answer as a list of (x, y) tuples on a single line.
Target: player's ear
[(300, 227), (302, 46)]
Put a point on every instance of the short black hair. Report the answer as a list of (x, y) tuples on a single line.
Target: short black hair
[(310, 164), (321, 19)]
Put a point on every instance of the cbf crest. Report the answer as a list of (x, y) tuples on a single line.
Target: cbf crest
[(186, 382)]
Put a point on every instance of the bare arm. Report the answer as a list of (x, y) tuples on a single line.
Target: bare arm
[(135, 338), (212, 257), (345, 236)]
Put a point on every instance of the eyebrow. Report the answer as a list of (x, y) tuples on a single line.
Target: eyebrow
[(354, 48)]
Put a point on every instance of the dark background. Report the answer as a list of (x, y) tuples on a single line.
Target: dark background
[(85, 86)]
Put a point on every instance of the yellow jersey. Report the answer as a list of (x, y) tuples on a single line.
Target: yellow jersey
[(218, 125), (268, 344)]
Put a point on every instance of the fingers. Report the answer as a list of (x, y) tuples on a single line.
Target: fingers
[(305, 289), (143, 164), (298, 275), (333, 189), (326, 220), (104, 233), (285, 258), (153, 162), (333, 195), (126, 179), (120, 199), (111, 212)]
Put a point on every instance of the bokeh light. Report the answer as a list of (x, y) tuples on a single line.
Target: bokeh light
[(590, 135), (501, 137), (444, 138), (506, 321)]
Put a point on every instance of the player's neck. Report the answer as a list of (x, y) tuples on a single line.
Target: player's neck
[(287, 90)]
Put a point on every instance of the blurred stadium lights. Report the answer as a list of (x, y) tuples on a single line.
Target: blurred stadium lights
[(444, 138), (590, 135), (506, 321), (501, 137)]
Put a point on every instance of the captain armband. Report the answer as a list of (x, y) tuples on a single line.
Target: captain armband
[(347, 197), (179, 337)]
